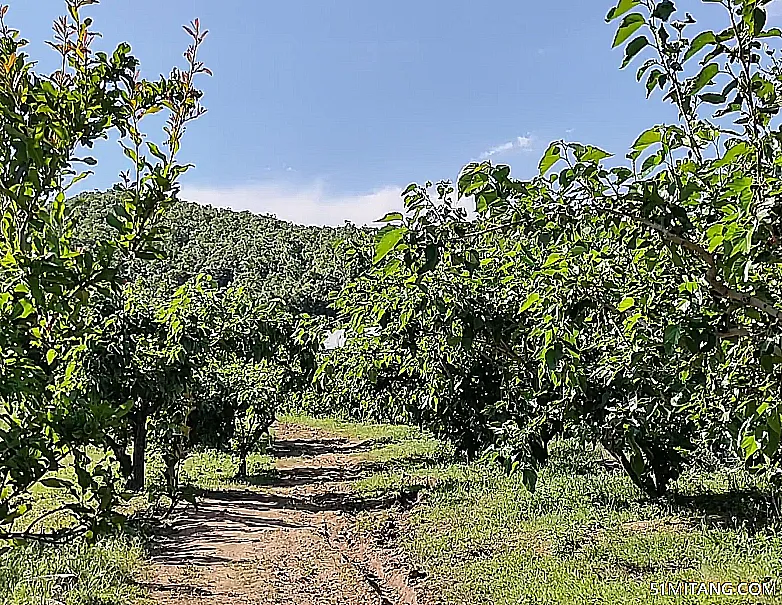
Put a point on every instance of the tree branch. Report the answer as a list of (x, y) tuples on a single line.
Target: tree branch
[(712, 275)]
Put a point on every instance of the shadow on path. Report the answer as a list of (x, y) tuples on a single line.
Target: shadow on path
[(295, 448), (300, 476), (226, 526), (279, 540)]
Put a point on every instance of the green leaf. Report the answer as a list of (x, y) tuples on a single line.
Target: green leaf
[(531, 300), (705, 77), (647, 138), (551, 358), (775, 423), (749, 445), (432, 255), (83, 477), (27, 308), (689, 286), (388, 243), (731, 155), (627, 303), (551, 157), (713, 98), (654, 78), (648, 64), (116, 223), (664, 10), (699, 42), (131, 153), (155, 150), (153, 110), (653, 161), (391, 216), (758, 21), (671, 338), (716, 242), (554, 257), (54, 483), (593, 154), (739, 184), (620, 9), (633, 49), (392, 267), (50, 356), (630, 24)]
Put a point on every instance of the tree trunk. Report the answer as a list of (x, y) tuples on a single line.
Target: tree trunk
[(171, 475), (139, 453), (124, 460), (243, 465)]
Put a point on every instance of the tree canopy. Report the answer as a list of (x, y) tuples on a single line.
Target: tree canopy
[(631, 301)]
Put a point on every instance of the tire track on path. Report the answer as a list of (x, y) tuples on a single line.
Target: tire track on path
[(282, 544)]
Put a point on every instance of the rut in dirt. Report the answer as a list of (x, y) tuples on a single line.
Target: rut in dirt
[(289, 542)]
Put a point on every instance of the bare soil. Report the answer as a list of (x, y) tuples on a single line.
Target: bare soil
[(290, 542)]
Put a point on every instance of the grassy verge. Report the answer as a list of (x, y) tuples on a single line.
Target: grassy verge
[(586, 536), (353, 430), (76, 574), (397, 445), (212, 470)]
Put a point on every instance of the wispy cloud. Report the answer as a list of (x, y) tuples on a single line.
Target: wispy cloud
[(310, 205), (517, 143)]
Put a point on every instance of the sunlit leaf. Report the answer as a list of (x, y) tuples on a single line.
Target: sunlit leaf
[(388, 242), (630, 24), (551, 157), (621, 8)]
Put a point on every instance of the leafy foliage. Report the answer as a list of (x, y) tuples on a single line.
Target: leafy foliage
[(272, 258), (47, 284), (636, 304), (631, 303)]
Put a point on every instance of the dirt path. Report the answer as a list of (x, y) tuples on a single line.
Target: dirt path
[(288, 543)]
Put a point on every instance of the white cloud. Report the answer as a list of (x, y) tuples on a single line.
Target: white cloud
[(517, 143), (304, 205)]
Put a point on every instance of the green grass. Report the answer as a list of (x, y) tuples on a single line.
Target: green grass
[(76, 574), (568, 543), (102, 573), (586, 536), (355, 430), (212, 470)]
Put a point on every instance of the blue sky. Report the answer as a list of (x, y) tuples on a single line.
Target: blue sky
[(322, 110)]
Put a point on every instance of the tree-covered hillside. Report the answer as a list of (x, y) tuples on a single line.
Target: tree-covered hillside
[(272, 258)]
